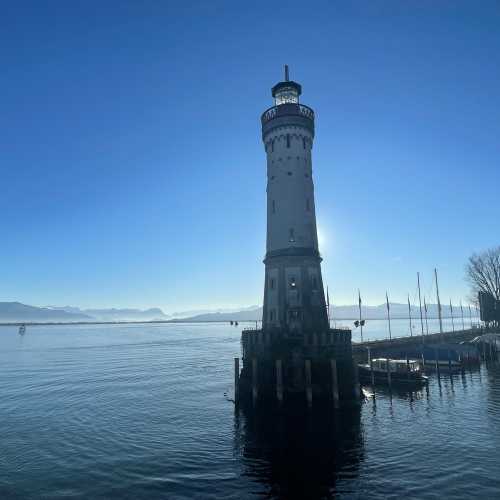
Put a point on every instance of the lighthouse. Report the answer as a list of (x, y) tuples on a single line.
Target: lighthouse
[(295, 353), (294, 298)]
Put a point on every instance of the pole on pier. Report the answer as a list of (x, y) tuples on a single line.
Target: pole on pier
[(360, 320), (420, 304), (388, 315), (462, 309), (426, 322), (255, 391), (308, 383), (236, 381), (335, 383), (408, 366), (409, 315), (439, 304), (452, 321), (388, 367)]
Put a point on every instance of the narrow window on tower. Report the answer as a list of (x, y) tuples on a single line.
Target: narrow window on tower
[(271, 283), (274, 207), (291, 235), (272, 315), (272, 146), (304, 142), (287, 140)]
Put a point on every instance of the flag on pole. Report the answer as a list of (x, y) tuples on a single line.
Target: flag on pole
[(387, 300), (359, 295)]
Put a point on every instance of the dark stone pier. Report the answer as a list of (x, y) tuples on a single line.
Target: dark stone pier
[(281, 368)]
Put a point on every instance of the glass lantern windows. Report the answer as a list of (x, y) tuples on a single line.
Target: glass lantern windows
[(286, 95)]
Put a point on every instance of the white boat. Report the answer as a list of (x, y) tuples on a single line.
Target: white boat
[(401, 371)]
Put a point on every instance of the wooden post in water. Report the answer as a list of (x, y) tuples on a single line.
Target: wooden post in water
[(449, 360), (335, 383), (357, 392), (388, 367), (279, 381), (436, 355), (308, 383), (370, 362), (255, 390), (408, 366), (423, 360), (236, 381)]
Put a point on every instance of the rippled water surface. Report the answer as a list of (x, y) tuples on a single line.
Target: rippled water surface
[(142, 411)]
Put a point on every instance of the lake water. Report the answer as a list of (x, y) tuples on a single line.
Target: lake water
[(141, 412)]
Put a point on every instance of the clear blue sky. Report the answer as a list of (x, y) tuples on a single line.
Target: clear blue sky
[(132, 168)]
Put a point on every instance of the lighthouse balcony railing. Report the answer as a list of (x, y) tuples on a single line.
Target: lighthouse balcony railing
[(288, 109)]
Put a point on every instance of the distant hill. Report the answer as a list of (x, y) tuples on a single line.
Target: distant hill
[(155, 313), (16, 312), (251, 314), (114, 314)]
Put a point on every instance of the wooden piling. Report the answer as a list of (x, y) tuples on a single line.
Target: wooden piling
[(355, 377), (408, 367), (236, 381), (436, 355), (255, 390), (279, 381), (335, 383), (308, 383), (388, 368), (449, 361), (423, 361)]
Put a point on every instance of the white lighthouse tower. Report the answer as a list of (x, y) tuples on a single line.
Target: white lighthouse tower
[(294, 299)]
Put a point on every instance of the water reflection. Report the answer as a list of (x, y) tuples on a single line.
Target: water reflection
[(302, 455)]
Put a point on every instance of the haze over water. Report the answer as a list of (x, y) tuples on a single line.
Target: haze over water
[(139, 411)]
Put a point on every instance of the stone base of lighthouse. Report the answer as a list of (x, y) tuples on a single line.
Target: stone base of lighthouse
[(285, 370)]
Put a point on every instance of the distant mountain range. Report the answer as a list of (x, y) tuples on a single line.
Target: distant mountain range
[(15, 312)]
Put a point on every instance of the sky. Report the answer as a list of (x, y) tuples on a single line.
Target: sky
[(132, 172)]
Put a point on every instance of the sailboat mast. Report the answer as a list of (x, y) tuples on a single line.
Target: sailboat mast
[(452, 321), (388, 315), (360, 320), (462, 309), (328, 305), (420, 304), (426, 322), (439, 303), (409, 315)]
